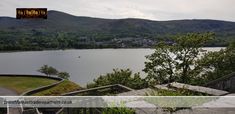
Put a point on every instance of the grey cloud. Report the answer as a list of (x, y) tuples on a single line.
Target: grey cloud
[(148, 9)]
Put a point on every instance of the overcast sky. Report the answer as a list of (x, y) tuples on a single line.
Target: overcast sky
[(147, 9)]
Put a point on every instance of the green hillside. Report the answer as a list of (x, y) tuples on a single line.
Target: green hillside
[(63, 30)]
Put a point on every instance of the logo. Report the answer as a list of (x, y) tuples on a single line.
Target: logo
[(31, 13)]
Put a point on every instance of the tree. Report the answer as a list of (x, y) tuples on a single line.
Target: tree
[(63, 75), (217, 64), (48, 70), (123, 77), (176, 60)]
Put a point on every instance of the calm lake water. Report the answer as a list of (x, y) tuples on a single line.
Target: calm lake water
[(82, 65)]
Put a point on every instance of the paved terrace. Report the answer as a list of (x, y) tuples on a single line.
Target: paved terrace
[(8, 92)]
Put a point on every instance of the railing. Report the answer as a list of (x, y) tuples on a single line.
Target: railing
[(103, 90), (31, 92), (224, 83), (80, 111), (199, 89)]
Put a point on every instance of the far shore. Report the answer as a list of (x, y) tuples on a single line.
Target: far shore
[(14, 51)]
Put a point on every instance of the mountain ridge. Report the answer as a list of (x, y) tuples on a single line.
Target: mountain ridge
[(57, 16), (128, 27)]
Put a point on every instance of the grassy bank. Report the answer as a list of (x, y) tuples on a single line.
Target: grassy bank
[(64, 87), (23, 84)]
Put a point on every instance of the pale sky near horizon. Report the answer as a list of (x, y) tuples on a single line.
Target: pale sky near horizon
[(116, 9)]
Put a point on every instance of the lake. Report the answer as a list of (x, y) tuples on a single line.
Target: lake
[(83, 65)]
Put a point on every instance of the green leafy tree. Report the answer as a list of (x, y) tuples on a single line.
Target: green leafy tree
[(123, 77), (176, 61), (48, 70), (64, 75), (216, 64)]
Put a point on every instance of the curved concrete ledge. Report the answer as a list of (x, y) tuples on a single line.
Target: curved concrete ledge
[(27, 75), (30, 92)]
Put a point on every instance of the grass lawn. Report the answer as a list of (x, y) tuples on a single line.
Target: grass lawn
[(64, 87), (177, 92), (23, 84)]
